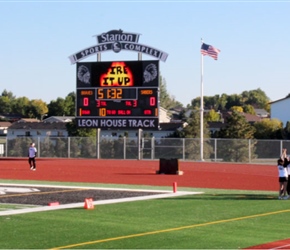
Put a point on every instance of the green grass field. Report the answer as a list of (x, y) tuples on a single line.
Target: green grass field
[(217, 219)]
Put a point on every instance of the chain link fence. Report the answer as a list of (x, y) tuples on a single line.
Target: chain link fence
[(186, 149)]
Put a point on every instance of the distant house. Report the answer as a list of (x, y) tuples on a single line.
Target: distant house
[(163, 116), (10, 117), (29, 120), (4, 128), (214, 127), (280, 110), (262, 113), (250, 118), (217, 126), (37, 129), (59, 119)]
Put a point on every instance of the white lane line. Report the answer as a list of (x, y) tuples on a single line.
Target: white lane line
[(4, 190)]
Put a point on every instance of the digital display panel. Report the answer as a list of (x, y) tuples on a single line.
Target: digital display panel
[(118, 95)]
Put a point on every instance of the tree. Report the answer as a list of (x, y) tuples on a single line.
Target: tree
[(237, 127), (233, 100), (8, 94), (256, 98), (36, 109), (62, 107), (211, 102), (70, 100), (222, 102), (5, 105), (236, 150), (212, 116), (56, 107), (20, 106), (268, 129), (192, 131), (166, 101), (80, 132), (195, 103), (6, 100), (249, 109), (286, 131), (237, 108)]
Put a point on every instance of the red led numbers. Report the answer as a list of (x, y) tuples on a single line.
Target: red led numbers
[(152, 101), (85, 101)]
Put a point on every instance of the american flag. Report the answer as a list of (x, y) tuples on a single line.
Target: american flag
[(208, 50)]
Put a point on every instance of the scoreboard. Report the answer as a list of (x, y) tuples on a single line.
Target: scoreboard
[(117, 95)]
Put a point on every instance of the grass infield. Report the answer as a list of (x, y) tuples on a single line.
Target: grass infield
[(216, 219)]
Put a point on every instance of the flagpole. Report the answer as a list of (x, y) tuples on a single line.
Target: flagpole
[(201, 108)]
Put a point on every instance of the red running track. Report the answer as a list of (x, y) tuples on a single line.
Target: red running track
[(195, 174)]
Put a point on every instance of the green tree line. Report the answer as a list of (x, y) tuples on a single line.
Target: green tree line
[(243, 103)]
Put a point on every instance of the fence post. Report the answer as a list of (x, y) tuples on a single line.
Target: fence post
[(152, 148), (6, 146), (68, 147), (139, 143), (98, 142), (249, 150), (183, 148), (38, 148), (215, 150), (124, 147)]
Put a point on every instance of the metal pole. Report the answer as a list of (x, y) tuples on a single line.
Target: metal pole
[(215, 150), (250, 156), (68, 147), (152, 148), (98, 142), (201, 109), (139, 143), (124, 147)]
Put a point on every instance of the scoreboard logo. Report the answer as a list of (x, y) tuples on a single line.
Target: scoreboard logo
[(84, 74), (118, 40)]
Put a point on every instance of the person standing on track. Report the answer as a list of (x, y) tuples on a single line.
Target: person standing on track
[(286, 164), (283, 179), (32, 151)]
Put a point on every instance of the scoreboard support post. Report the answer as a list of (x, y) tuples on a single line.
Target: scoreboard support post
[(98, 142), (140, 149)]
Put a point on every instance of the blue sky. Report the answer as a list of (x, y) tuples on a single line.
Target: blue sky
[(37, 37)]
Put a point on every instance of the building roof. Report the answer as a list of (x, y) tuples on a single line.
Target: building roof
[(10, 117), (216, 125), (28, 120), (38, 125), (5, 124), (59, 118), (262, 112), (250, 118), (287, 97), (170, 126)]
